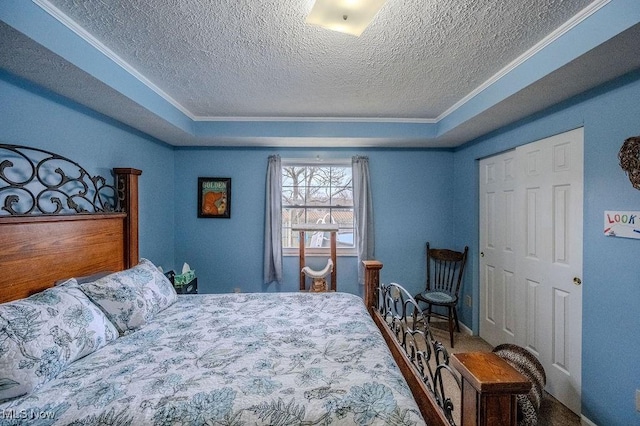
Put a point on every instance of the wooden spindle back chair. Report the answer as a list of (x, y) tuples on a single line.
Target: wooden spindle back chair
[(445, 270)]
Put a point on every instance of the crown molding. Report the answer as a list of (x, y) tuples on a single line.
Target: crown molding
[(321, 119)]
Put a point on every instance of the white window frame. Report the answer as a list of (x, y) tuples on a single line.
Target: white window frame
[(318, 162)]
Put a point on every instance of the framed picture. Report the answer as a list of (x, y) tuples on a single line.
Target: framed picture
[(214, 197)]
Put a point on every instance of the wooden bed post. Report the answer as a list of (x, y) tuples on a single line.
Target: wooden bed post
[(371, 282), (127, 181), (489, 389), (302, 262)]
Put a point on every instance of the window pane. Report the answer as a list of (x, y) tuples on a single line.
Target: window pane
[(293, 176), (318, 196), (290, 239), (318, 176), (345, 238), (342, 196), (342, 217), (293, 196), (293, 216), (290, 217), (318, 216), (341, 176), (317, 239)]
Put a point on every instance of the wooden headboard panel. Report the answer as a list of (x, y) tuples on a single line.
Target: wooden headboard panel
[(38, 250)]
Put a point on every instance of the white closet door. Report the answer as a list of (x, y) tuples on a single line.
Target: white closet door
[(532, 265), (497, 254)]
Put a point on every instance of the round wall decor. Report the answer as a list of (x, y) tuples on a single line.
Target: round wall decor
[(629, 156)]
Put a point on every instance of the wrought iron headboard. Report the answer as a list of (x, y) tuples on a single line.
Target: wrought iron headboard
[(427, 355), (38, 182)]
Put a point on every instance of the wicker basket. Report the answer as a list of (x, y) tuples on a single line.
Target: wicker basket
[(629, 156)]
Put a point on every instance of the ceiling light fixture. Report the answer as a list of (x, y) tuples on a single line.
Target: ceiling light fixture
[(345, 16)]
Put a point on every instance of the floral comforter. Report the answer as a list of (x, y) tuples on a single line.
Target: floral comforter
[(236, 359)]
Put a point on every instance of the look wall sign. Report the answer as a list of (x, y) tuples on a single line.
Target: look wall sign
[(625, 224)]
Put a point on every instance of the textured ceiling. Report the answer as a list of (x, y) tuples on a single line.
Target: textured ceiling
[(425, 73), (247, 58)]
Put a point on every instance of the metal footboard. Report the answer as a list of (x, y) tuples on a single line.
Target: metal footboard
[(428, 356)]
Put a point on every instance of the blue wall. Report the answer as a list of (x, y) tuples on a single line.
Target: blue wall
[(411, 196), (34, 117), (611, 275)]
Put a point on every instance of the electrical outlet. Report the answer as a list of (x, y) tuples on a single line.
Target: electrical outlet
[(236, 290), (637, 399), (467, 301)]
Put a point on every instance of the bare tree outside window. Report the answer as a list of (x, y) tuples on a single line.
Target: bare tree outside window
[(313, 195)]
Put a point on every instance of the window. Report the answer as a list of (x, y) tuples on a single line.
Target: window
[(314, 193)]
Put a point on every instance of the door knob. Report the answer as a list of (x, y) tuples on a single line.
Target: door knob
[(577, 281), (481, 254)]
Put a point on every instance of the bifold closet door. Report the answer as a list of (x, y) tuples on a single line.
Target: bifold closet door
[(531, 273)]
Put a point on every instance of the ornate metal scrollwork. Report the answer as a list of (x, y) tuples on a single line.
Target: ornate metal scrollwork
[(428, 356), (39, 182)]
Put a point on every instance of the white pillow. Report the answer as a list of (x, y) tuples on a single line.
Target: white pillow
[(132, 297), (42, 334)]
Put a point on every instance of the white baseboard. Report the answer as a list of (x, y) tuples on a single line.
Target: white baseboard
[(465, 329)]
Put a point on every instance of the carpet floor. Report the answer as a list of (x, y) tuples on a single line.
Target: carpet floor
[(552, 412)]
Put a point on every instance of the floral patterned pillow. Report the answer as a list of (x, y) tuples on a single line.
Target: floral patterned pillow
[(44, 333), (132, 297), (161, 286)]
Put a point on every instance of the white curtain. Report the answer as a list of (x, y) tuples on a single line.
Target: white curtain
[(363, 210), (273, 222)]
